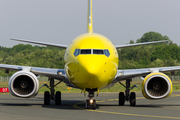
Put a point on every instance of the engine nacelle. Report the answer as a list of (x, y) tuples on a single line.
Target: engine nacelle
[(23, 84), (156, 86)]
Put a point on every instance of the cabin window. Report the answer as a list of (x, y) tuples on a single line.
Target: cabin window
[(85, 51), (76, 52)]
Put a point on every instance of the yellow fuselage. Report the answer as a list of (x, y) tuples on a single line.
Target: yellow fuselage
[(91, 70)]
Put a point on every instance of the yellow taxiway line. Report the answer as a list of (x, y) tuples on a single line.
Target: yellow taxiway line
[(127, 114)]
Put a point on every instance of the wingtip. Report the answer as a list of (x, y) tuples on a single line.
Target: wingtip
[(165, 40)]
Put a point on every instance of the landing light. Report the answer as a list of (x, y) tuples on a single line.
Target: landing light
[(121, 73), (91, 101)]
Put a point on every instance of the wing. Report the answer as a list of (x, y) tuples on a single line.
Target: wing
[(42, 43), (58, 74), (131, 73), (138, 44)]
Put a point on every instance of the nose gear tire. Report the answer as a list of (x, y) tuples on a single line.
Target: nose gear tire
[(94, 104), (87, 104)]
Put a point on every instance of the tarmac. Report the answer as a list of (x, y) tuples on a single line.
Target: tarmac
[(73, 108)]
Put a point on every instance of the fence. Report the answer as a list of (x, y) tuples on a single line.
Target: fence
[(173, 78), (5, 79)]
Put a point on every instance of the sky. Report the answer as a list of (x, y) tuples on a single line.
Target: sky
[(60, 21)]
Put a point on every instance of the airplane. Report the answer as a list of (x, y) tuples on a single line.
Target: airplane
[(91, 64)]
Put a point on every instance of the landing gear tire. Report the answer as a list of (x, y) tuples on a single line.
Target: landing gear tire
[(121, 99), (46, 98), (87, 104), (133, 99), (58, 98), (94, 104)]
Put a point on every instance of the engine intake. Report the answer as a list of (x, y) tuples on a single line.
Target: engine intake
[(156, 86), (23, 84)]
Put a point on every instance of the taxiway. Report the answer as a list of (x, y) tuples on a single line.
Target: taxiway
[(73, 108)]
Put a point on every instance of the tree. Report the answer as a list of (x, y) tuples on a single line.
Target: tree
[(152, 36), (131, 42)]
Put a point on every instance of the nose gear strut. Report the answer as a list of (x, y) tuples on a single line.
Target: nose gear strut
[(91, 103)]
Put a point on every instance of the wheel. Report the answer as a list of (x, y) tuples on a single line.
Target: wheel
[(58, 98), (46, 98), (87, 104), (133, 99), (94, 104), (121, 99)]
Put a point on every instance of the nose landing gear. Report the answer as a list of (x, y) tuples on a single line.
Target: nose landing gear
[(90, 103)]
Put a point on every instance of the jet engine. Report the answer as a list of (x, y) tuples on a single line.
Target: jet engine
[(23, 84), (156, 86)]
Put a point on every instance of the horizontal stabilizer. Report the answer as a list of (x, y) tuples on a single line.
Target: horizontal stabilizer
[(42, 43), (138, 44)]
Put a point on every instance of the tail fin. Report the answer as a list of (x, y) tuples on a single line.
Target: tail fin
[(90, 18)]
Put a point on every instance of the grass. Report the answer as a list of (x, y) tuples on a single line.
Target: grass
[(116, 88)]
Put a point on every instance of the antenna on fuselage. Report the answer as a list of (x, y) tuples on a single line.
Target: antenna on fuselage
[(90, 18)]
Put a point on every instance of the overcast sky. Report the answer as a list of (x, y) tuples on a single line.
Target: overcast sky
[(60, 21)]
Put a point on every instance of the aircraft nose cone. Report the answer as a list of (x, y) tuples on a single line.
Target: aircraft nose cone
[(91, 65), (92, 69)]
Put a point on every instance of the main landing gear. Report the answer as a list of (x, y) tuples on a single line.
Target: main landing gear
[(91, 103), (48, 96), (127, 96)]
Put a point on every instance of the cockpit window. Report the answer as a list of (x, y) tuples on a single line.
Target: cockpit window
[(92, 51), (95, 51), (76, 52), (106, 52), (85, 51)]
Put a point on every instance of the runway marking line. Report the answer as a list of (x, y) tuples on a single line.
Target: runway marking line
[(127, 114)]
